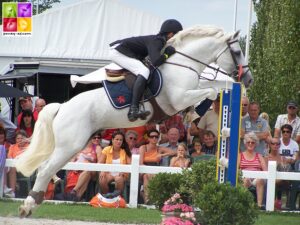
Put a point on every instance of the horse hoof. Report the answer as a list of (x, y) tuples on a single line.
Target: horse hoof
[(23, 212)]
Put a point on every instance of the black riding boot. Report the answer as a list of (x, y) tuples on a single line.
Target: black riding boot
[(137, 93)]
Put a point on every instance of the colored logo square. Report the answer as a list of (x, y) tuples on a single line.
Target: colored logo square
[(24, 24), (9, 9), (24, 9), (9, 24)]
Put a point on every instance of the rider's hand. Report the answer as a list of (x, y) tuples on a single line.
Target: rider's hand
[(170, 50)]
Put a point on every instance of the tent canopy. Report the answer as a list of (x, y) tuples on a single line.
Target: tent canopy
[(79, 31)]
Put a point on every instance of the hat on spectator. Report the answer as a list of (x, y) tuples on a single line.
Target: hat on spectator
[(292, 103), (24, 98)]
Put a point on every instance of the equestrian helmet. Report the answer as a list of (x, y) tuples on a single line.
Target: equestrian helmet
[(170, 26)]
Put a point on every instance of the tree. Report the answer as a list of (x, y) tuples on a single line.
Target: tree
[(275, 55)]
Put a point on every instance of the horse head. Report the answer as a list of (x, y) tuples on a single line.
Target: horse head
[(208, 44), (233, 61)]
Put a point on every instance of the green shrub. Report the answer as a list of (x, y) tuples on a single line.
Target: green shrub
[(222, 204), (163, 186), (202, 172)]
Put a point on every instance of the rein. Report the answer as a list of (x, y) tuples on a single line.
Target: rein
[(238, 72)]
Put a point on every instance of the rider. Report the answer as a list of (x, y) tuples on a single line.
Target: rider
[(129, 52)]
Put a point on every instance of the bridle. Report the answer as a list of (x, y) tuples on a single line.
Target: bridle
[(237, 73)]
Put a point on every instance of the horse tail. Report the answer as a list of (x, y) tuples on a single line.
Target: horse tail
[(42, 141)]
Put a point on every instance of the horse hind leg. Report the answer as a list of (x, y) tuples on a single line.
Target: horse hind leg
[(44, 175)]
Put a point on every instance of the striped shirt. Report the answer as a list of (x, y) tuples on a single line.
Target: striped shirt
[(253, 164)]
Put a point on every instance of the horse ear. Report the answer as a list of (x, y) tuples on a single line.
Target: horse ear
[(236, 34)]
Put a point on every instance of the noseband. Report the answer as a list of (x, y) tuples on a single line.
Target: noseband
[(237, 73)]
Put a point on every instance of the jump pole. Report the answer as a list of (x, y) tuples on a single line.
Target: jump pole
[(228, 135)]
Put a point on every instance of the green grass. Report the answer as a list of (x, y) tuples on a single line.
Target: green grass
[(137, 216)]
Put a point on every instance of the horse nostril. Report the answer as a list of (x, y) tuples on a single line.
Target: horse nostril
[(250, 82)]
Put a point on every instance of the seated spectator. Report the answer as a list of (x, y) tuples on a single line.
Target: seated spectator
[(131, 138), (181, 159), (27, 122), (173, 121), (209, 143), (77, 181), (251, 160), (151, 154), (14, 151), (282, 163), (116, 153), (26, 104), (40, 103), (288, 146), (172, 143), (3, 140), (197, 149), (141, 132)]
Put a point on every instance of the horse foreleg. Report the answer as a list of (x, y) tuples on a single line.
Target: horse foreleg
[(192, 96)]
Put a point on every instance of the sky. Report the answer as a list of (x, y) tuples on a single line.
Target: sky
[(192, 12)]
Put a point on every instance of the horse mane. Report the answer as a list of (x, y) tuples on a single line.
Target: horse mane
[(199, 31)]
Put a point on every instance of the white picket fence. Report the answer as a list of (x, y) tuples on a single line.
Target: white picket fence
[(135, 169)]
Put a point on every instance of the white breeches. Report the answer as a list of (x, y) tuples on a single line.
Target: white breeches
[(133, 65)]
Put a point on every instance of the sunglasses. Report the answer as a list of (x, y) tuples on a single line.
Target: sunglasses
[(275, 143), (132, 138), (245, 105), (251, 142), (286, 131), (97, 137), (153, 136), (292, 107)]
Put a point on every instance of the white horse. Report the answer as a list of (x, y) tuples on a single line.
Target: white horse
[(62, 130)]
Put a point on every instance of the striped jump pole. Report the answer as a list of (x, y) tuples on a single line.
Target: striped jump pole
[(228, 144)]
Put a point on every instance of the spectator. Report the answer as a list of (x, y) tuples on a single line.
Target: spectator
[(14, 151), (131, 138), (197, 149), (180, 160), (10, 129), (116, 153), (3, 140), (77, 182), (26, 103), (151, 154), (288, 146), (251, 160), (27, 122), (40, 103), (209, 146), (245, 106), (258, 125), (141, 134), (210, 120), (187, 122), (289, 118), (282, 163), (173, 138), (194, 130), (107, 136), (173, 121)]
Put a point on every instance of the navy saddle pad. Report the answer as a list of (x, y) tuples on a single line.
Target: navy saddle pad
[(120, 94)]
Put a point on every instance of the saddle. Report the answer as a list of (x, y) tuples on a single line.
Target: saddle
[(118, 86)]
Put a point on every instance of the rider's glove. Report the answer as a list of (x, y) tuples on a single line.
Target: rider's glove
[(169, 51)]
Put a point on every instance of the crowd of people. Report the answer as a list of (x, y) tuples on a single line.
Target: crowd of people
[(180, 141)]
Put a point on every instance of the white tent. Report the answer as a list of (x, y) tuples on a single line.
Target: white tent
[(79, 31)]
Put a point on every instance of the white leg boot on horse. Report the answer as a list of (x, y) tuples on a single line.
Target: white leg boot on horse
[(137, 93)]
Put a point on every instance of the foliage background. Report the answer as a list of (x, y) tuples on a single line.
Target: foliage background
[(275, 55)]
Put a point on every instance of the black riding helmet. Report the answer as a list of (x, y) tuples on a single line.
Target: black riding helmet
[(170, 26)]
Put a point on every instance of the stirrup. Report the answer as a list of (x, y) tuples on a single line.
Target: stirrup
[(143, 114)]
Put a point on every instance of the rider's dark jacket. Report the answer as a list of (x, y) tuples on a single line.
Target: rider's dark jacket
[(142, 46)]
